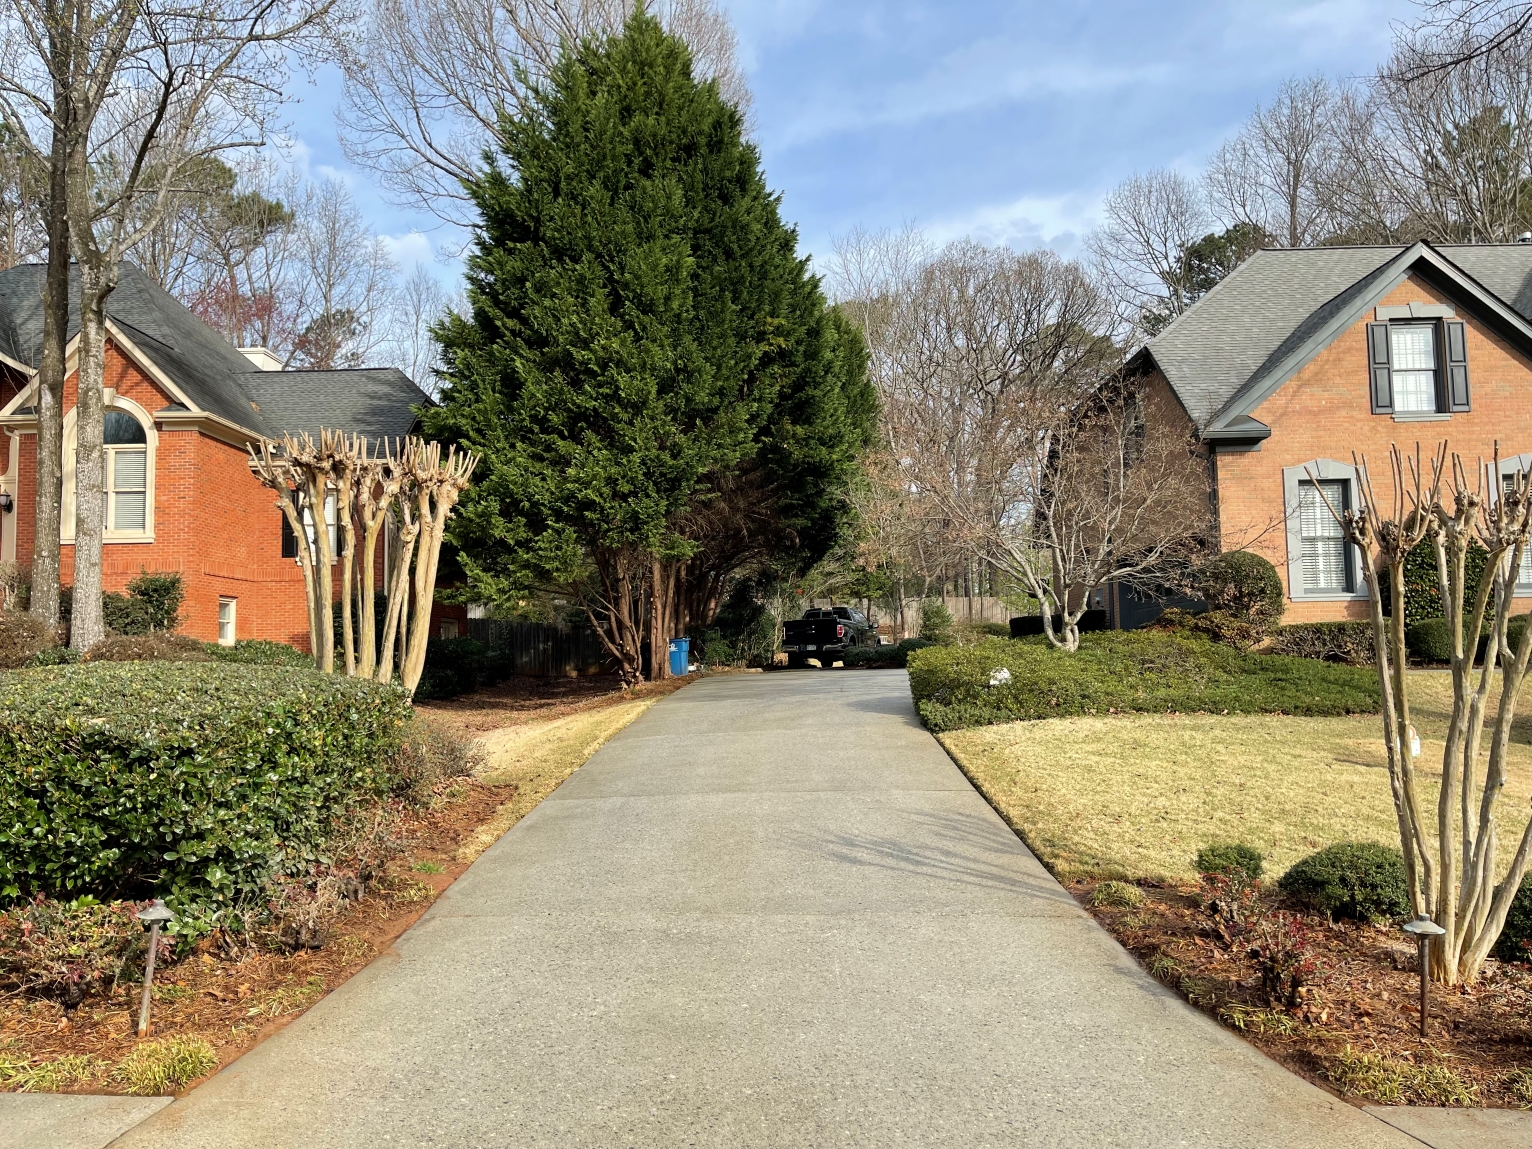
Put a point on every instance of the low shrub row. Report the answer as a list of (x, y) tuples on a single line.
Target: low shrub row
[(1361, 881), (457, 666), (885, 657), (1125, 671), (197, 781), (1348, 642)]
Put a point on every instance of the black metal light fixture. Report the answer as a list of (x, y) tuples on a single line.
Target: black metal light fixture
[(1423, 929), (6, 502)]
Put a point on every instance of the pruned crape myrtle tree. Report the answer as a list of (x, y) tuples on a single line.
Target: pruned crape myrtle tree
[(406, 490), (1451, 860)]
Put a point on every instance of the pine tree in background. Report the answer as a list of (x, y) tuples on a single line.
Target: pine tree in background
[(661, 396)]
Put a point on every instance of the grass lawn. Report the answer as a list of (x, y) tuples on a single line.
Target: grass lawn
[(1136, 796)]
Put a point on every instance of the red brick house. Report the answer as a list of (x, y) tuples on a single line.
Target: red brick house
[(182, 406), (1303, 356)]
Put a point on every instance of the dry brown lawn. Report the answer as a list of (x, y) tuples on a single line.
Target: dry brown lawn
[(1136, 796)]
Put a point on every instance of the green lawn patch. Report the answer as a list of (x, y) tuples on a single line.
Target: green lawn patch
[(1116, 672)]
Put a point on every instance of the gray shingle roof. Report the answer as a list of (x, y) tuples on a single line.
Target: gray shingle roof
[(378, 402), (1279, 301), (211, 372)]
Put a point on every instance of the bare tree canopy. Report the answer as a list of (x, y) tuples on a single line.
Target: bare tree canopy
[(1008, 435), (1140, 247), (428, 82), (1272, 175)]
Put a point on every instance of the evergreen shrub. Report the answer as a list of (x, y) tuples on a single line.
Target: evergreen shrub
[(1359, 880), (1222, 857), (1244, 585), (885, 657), (935, 622), (153, 603), (453, 666), (1515, 941), (259, 652), (191, 781), (22, 638), (149, 647), (1422, 596), (1122, 671)]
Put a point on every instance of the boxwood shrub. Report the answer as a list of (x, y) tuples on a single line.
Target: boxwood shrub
[(1350, 642), (1515, 941), (1126, 671), (885, 657), (196, 780), (1360, 880)]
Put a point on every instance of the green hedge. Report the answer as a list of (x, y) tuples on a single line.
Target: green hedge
[(885, 657), (1126, 671), (196, 780), (456, 666), (260, 652), (1349, 642)]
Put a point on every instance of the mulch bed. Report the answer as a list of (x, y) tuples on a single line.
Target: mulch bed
[(1355, 1026), (234, 1001)]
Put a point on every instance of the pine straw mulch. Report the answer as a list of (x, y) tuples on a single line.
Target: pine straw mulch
[(234, 1000), (1355, 1027)]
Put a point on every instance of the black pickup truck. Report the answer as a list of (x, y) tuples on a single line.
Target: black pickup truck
[(826, 633)]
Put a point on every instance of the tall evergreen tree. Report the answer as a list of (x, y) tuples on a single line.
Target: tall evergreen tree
[(659, 391)]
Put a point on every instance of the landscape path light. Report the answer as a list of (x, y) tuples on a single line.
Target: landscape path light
[(153, 915), (1424, 929)]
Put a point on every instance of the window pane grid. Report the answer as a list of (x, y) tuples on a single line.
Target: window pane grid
[(1413, 351), (127, 495), (1326, 560)]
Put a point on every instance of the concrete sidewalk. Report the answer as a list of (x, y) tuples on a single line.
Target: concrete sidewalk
[(769, 913)]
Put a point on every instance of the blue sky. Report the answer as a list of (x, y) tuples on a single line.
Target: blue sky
[(1004, 121)]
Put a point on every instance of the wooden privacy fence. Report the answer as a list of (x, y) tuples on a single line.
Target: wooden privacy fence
[(540, 650)]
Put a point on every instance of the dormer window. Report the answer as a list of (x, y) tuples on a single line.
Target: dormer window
[(1413, 352)]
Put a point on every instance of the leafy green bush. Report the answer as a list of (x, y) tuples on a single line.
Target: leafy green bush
[(153, 603), (1422, 599), (1348, 642), (155, 647), (1359, 880), (1222, 857), (190, 781), (259, 652), (1126, 671), (22, 638), (884, 657), (1244, 585), (453, 666), (53, 656), (69, 950), (935, 621), (1515, 941)]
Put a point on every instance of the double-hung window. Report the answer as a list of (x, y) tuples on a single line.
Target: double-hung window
[(1524, 573), (1413, 351), (127, 472), (1326, 554)]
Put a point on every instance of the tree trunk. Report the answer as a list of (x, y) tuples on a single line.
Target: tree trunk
[(48, 505), (88, 626)]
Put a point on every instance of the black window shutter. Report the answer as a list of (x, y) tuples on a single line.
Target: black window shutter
[(289, 540), (1378, 364), (1457, 365)]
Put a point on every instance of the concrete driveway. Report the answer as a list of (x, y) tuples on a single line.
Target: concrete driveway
[(771, 912)]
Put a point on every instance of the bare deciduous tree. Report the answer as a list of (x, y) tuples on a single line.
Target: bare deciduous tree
[(1272, 174), (429, 81), (135, 98), (1140, 247), (345, 283), (1451, 866)]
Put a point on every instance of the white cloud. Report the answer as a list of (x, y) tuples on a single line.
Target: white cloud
[(410, 249), (1056, 222)]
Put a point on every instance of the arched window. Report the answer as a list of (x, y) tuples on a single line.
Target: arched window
[(129, 443), (127, 473)]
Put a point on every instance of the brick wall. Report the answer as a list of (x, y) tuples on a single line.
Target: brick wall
[(1325, 412), (214, 524)]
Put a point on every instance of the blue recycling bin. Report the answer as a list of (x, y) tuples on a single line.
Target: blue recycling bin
[(680, 654)]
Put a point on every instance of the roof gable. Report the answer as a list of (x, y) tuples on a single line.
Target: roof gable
[(1280, 308)]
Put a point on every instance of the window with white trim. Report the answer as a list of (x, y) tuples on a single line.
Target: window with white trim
[(226, 620), (1326, 554), (126, 472), (1413, 352), (1524, 572)]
